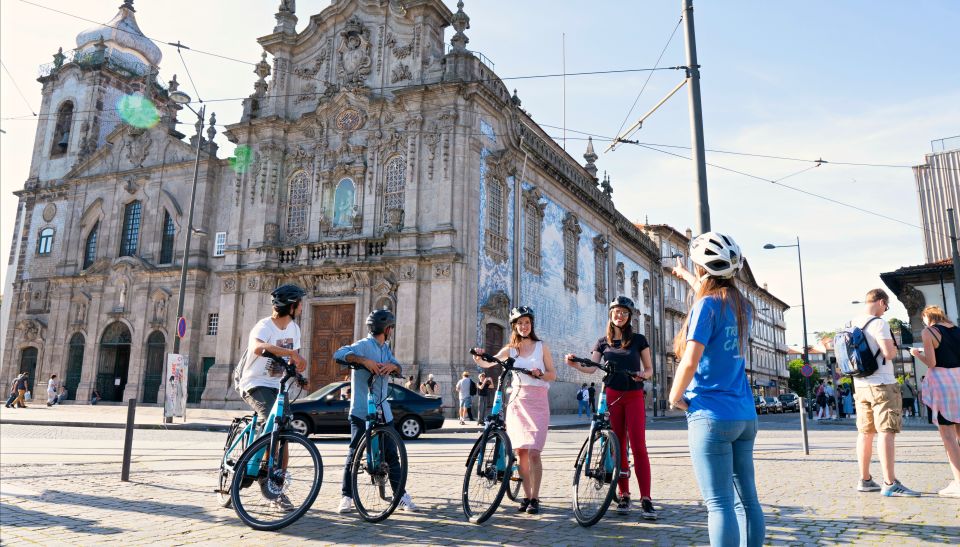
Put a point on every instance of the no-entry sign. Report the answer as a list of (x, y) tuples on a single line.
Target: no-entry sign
[(182, 327), (806, 370)]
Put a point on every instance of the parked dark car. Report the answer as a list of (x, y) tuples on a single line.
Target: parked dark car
[(774, 406), (761, 404), (791, 402), (324, 411)]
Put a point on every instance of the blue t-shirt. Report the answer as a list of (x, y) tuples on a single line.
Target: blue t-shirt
[(719, 389)]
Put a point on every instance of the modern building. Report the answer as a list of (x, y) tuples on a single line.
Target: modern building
[(938, 189), (376, 165)]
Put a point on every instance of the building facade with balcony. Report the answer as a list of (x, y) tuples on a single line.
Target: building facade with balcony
[(376, 165)]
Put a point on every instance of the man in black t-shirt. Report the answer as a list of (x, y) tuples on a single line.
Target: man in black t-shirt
[(593, 397)]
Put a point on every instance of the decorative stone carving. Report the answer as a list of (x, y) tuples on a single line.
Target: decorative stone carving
[(635, 286), (355, 63), (497, 306), (49, 211), (253, 283), (349, 119), (912, 299), (442, 271), (271, 233), (30, 330), (230, 285), (407, 272), (621, 278), (337, 284), (137, 147), (646, 292), (400, 73)]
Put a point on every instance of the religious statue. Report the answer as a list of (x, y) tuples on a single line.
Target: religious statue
[(289, 6)]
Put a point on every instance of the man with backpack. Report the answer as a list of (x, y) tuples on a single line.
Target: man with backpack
[(583, 401), (877, 396)]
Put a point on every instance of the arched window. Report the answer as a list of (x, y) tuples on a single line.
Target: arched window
[(343, 200), (45, 242), (61, 132), (131, 229), (396, 181), (166, 241), (90, 247), (298, 206)]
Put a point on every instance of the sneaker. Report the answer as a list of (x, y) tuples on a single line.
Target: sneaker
[(646, 509), (524, 503), (534, 507), (282, 502), (951, 491), (623, 505), (868, 485), (898, 490), (462, 422), (346, 505), (407, 504)]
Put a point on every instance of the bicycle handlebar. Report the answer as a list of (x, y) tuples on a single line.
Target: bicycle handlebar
[(358, 366), (606, 368), (289, 369), (507, 364)]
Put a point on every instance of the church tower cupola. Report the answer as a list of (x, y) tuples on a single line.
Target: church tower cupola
[(125, 44)]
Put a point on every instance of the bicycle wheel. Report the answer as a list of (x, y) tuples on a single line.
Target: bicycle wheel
[(594, 484), (487, 476), (378, 473), (270, 495), (229, 460), (516, 482)]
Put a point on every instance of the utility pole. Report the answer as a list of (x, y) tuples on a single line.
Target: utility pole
[(696, 118), (956, 260)]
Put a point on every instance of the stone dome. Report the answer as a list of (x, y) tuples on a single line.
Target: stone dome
[(123, 37)]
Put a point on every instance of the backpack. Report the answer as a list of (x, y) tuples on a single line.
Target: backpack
[(580, 395), (238, 370), (853, 352), (473, 388)]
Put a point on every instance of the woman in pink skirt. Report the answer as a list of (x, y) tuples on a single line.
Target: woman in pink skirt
[(528, 414)]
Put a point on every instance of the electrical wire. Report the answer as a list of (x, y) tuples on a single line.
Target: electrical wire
[(15, 86), (189, 76)]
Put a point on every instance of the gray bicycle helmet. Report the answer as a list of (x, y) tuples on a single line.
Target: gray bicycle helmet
[(622, 302), (379, 320), (518, 312), (284, 295)]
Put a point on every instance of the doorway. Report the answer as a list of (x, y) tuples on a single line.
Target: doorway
[(114, 362), (153, 374), (332, 328), (28, 364), (74, 365)]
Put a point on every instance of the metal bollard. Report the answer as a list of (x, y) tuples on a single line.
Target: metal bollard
[(803, 425), (128, 440)]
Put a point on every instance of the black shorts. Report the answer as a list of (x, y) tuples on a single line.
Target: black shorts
[(261, 400), (943, 421)]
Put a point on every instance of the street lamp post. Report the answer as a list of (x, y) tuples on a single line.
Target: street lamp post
[(183, 99), (806, 347)]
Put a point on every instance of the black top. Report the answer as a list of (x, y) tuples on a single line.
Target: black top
[(624, 361), (483, 388), (948, 352)]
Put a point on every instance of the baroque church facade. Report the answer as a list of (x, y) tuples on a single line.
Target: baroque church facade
[(378, 165)]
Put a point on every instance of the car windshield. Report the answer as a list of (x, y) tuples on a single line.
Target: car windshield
[(771, 400), (786, 397), (324, 391)]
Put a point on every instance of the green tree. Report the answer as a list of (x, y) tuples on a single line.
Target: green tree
[(797, 383)]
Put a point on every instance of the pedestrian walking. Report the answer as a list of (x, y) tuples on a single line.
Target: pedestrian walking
[(583, 401), (908, 394), (628, 353), (463, 389), (878, 402), (430, 387), (821, 393), (374, 358), (711, 386), (14, 393), (484, 388), (831, 394), (22, 387), (592, 390), (528, 415), (941, 385), (52, 387)]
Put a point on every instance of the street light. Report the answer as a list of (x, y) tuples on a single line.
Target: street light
[(661, 338), (181, 98), (806, 351)]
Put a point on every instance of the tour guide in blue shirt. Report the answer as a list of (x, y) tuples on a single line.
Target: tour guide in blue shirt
[(374, 356)]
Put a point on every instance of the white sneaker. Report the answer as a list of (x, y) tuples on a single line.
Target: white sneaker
[(407, 504), (951, 491), (346, 505)]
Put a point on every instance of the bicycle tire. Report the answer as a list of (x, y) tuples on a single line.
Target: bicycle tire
[(483, 489), (227, 462), (516, 482), (308, 463), (593, 488), (361, 474)]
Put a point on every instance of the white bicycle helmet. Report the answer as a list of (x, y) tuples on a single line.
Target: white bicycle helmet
[(718, 254)]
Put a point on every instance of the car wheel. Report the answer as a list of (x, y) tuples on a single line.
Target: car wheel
[(410, 427), (300, 425)]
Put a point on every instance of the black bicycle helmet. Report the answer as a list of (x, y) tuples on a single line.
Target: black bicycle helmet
[(622, 302), (518, 312), (284, 295), (379, 320)]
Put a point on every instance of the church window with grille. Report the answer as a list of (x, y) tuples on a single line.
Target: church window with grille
[(131, 229), (90, 246), (45, 242), (395, 184), (298, 206), (61, 132), (166, 242), (496, 232), (600, 267), (571, 242)]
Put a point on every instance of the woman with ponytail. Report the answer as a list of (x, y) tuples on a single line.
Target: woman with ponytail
[(711, 386)]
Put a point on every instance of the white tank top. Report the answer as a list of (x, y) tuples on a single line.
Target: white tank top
[(534, 361)]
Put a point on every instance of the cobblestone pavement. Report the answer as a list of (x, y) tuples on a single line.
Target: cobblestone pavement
[(60, 485)]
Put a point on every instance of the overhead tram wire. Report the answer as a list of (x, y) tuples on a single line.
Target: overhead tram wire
[(15, 86), (650, 75), (196, 92)]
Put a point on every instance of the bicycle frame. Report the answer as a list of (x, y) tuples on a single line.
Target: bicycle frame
[(495, 419), (600, 420)]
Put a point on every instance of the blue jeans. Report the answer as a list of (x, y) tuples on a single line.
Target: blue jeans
[(722, 454), (583, 407), (357, 428)]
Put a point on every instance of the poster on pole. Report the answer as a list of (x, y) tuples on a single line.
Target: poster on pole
[(175, 392)]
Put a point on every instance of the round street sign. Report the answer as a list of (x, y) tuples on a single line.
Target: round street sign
[(182, 327), (806, 370)]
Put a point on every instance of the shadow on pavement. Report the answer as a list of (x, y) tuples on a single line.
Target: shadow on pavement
[(15, 516)]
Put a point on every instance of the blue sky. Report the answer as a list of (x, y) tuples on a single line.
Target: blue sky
[(855, 81)]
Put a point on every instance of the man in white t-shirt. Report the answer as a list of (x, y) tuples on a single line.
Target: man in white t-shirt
[(463, 390), (877, 399)]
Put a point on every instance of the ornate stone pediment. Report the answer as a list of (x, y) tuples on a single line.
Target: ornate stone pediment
[(497, 306), (31, 330), (333, 284), (128, 148)]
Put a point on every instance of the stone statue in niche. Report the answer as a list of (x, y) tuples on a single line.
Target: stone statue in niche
[(123, 296), (160, 310), (354, 53)]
